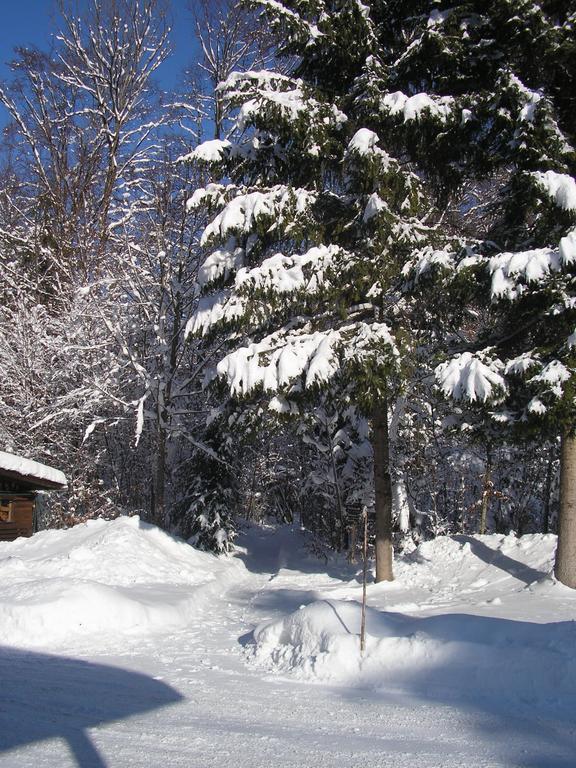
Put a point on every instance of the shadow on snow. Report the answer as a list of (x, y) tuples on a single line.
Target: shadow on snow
[(46, 697)]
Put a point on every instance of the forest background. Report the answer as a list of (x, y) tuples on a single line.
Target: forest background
[(104, 263)]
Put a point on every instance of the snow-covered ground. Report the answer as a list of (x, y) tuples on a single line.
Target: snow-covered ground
[(124, 647)]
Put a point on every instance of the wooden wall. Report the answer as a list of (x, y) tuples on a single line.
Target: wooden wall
[(16, 517)]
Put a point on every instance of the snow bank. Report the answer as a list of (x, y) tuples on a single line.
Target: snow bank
[(466, 654), (105, 578), (498, 626)]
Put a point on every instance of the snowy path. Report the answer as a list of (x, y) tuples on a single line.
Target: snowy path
[(193, 699)]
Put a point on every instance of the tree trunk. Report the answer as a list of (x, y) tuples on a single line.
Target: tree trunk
[(565, 567), (486, 491), (382, 492), (548, 490), (160, 494)]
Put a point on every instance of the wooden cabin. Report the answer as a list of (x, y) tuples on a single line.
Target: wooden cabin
[(20, 481)]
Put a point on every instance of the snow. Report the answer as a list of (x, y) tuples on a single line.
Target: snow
[(293, 105), (210, 195), (414, 107), (221, 306), (553, 376), (374, 205), (469, 658), (509, 269), (282, 357), (259, 90), (279, 359), (559, 186), (101, 578), (469, 377), (245, 212), (568, 248), (220, 263), (427, 259), (320, 642), (262, 78), (522, 364), (365, 143), (446, 625), (212, 151), (437, 17), (31, 469), (286, 274), (530, 98)]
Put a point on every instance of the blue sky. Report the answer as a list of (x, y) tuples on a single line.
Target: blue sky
[(31, 22)]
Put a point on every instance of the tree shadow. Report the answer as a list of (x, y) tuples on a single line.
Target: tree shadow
[(46, 697), (495, 557), (270, 549)]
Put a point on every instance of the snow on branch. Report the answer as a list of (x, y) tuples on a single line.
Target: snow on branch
[(296, 24), (364, 143), (212, 195), (287, 274), (213, 151), (282, 358), (512, 271), (272, 208), (520, 365), (568, 248), (553, 376), (427, 260), (530, 99), (223, 306), (291, 106), (241, 83), (471, 377), (221, 263), (560, 187), (415, 107), (259, 93)]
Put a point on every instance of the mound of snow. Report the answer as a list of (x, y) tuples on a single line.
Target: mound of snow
[(103, 577), (468, 616), (472, 656)]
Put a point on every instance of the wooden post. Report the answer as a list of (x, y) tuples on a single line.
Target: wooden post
[(364, 577)]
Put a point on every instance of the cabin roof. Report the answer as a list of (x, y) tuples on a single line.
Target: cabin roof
[(33, 473)]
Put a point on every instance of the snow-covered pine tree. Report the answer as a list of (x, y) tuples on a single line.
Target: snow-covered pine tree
[(315, 221), (502, 78)]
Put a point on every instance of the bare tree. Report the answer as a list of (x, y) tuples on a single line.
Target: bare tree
[(231, 39)]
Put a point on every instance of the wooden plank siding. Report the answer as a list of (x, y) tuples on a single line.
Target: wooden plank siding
[(16, 517)]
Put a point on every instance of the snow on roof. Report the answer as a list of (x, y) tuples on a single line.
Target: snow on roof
[(32, 470)]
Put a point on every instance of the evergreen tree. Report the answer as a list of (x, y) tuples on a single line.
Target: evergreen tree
[(315, 222), (501, 76)]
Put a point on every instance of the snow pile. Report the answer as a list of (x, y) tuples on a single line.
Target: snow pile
[(495, 657), (103, 577), (475, 617)]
